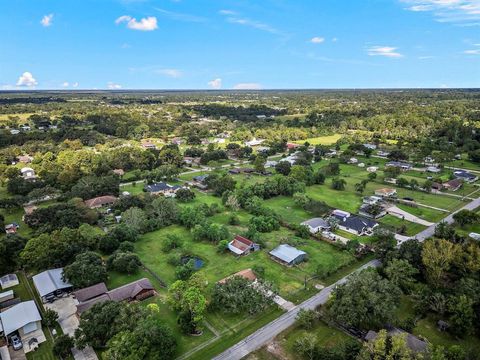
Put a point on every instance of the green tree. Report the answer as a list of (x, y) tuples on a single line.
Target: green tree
[(87, 269)]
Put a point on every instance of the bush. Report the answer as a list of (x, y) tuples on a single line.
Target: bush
[(124, 262), (306, 318), (62, 346), (171, 242), (50, 318), (126, 246)]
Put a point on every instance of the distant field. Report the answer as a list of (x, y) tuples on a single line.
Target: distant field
[(22, 117), (321, 140)]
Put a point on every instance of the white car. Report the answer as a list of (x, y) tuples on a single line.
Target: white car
[(16, 342)]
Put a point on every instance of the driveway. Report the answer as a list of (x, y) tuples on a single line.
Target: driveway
[(402, 214), (66, 309), (16, 355)]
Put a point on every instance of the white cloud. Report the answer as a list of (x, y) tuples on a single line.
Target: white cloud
[(66, 84), (454, 11), (317, 40), (472, 52), (181, 16), (145, 24), (215, 83), (334, 39), (113, 86), (227, 12), (173, 73), (387, 51), (75, 84), (26, 79), (47, 20), (247, 86)]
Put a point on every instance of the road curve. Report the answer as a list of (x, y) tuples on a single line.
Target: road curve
[(272, 329)]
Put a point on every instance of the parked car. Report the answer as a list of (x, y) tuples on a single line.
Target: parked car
[(408, 199), (16, 342)]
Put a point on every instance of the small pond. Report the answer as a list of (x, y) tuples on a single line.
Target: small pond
[(197, 262)]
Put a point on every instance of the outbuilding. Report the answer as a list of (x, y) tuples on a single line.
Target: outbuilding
[(8, 281), (288, 255), (50, 284), (316, 225)]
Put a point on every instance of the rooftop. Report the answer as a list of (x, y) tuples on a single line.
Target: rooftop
[(287, 253), (19, 315), (49, 281)]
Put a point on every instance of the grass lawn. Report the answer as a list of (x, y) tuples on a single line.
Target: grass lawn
[(133, 189), (321, 140), (217, 266), (424, 213), (288, 211), (396, 223)]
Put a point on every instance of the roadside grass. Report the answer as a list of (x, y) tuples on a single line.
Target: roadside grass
[(424, 213), (396, 223), (235, 335)]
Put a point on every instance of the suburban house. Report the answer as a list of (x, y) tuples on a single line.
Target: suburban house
[(352, 160), (177, 141), (370, 146), (247, 274), (50, 284), (288, 255), (162, 188), (453, 185), (372, 210), (383, 153), (200, 182), (242, 246), (386, 192), (149, 145), (465, 175), (291, 146), (90, 292), (237, 171), (8, 281), (100, 201), (316, 225), (134, 291), (474, 236), (25, 319), (28, 173), (433, 169), (26, 159), (119, 172), (271, 163), (354, 224), (254, 142), (413, 343), (372, 169), (400, 164), (12, 228), (191, 160)]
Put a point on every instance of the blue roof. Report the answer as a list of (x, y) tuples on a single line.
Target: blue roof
[(287, 253)]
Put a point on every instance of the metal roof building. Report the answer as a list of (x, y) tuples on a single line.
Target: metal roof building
[(288, 254), (50, 282), (20, 316)]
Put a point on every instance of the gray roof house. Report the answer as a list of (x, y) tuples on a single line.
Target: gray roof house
[(23, 315), (465, 175), (50, 284), (413, 343), (354, 224), (316, 225), (162, 188), (288, 255)]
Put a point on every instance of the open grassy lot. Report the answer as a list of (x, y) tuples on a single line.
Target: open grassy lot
[(288, 211), (424, 213), (396, 223), (321, 140), (289, 280)]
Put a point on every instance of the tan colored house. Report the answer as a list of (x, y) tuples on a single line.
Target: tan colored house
[(100, 201)]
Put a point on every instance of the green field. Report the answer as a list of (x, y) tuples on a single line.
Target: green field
[(321, 140), (396, 223)]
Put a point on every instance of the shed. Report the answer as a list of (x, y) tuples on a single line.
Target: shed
[(50, 283), (8, 281), (288, 254), (6, 295), (241, 246), (23, 316)]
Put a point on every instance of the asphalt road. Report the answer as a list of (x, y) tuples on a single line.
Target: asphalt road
[(428, 232), (272, 329)]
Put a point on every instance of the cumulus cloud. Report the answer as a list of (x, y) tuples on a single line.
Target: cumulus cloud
[(27, 79), (215, 83), (317, 40), (66, 84), (75, 84), (454, 11), (387, 51), (247, 86), (173, 73), (145, 24), (47, 20), (113, 86)]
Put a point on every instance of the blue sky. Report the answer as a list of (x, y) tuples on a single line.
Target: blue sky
[(207, 44)]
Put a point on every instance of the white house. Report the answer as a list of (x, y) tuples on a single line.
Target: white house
[(372, 169), (254, 142), (27, 173), (316, 225), (25, 319)]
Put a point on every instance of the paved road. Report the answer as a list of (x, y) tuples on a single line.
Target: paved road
[(272, 329), (428, 232)]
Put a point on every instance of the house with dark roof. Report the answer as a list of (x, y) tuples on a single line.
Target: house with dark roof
[(288, 255), (452, 185), (90, 292), (134, 291), (100, 201), (163, 189), (50, 284), (400, 164), (316, 225), (413, 343), (465, 175), (357, 225), (242, 246)]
